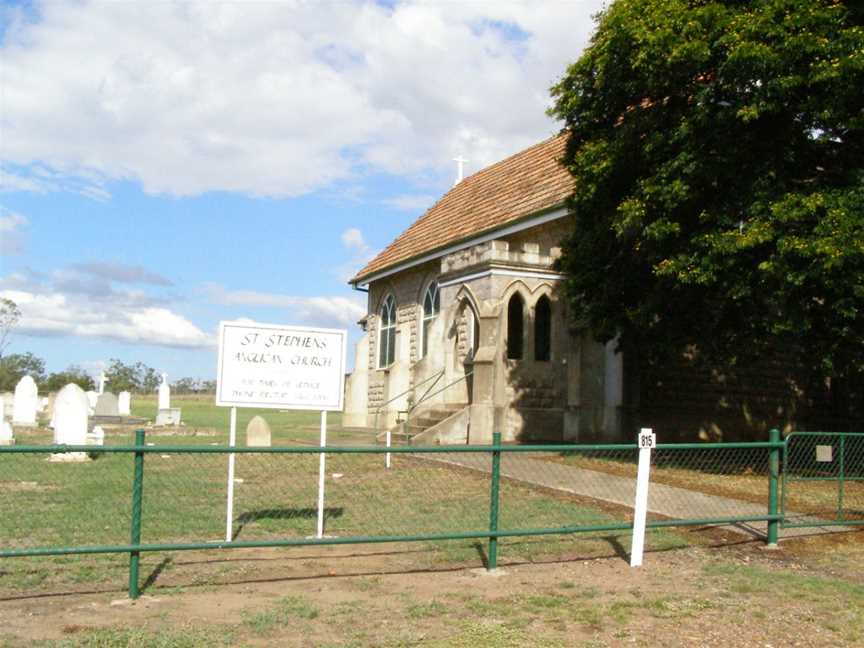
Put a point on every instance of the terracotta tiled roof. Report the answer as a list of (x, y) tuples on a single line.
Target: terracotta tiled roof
[(523, 184)]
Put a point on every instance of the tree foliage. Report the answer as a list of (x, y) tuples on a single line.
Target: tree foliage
[(718, 154), (15, 366), (73, 374), (136, 377), (9, 316)]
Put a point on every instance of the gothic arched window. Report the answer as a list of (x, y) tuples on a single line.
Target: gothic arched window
[(431, 308), (515, 326), (387, 333), (543, 329)]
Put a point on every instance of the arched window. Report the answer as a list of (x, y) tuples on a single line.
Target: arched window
[(387, 333), (515, 327), (431, 308), (543, 329), (472, 332)]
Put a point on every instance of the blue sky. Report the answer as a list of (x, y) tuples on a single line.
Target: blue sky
[(165, 166)]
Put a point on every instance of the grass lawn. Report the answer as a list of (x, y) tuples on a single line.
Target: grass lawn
[(85, 504)]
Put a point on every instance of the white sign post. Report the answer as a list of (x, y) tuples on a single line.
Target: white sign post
[(647, 440), (279, 367)]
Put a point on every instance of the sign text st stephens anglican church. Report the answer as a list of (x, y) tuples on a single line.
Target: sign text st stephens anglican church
[(284, 367)]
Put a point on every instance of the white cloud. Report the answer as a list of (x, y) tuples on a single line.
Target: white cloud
[(361, 254), (352, 239), (12, 225), (56, 305), (341, 312), (274, 98)]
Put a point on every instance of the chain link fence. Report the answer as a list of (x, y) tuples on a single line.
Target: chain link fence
[(52, 507)]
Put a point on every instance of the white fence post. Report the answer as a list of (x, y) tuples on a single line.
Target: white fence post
[(647, 440)]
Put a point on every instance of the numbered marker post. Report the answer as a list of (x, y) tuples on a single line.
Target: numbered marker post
[(646, 441)]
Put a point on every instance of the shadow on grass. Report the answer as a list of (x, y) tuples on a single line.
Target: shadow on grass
[(285, 514), (151, 579)]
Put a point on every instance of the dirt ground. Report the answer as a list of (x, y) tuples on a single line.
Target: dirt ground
[(728, 591)]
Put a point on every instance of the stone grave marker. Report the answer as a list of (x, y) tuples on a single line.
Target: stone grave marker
[(258, 433), (164, 393), (26, 402), (8, 403), (71, 411), (96, 436), (170, 416), (124, 403), (6, 436), (106, 405), (92, 397)]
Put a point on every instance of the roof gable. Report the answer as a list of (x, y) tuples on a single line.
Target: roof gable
[(526, 183)]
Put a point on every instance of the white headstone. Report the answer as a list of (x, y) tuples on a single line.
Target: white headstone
[(102, 380), (124, 403), (71, 409), (6, 436), (258, 433), (26, 401), (170, 416), (96, 436), (164, 393), (92, 397)]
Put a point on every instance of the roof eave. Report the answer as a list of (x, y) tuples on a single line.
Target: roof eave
[(548, 214)]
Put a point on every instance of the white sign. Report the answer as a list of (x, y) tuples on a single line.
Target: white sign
[(284, 367), (647, 439)]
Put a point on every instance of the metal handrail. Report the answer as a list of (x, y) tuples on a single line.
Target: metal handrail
[(401, 394), (427, 395)]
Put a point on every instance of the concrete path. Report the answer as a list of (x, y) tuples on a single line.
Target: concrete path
[(668, 501)]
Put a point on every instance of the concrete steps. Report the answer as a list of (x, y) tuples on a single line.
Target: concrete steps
[(403, 433)]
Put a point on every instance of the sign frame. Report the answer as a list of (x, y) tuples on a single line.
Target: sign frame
[(294, 330)]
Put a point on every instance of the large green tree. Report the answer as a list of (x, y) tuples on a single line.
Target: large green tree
[(718, 154)]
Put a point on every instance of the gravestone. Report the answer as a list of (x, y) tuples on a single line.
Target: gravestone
[(124, 403), (6, 436), (25, 402), (92, 397), (8, 403), (71, 410), (106, 405), (96, 436), (164, 393), (258, 433), (170, 416), (49, 407)]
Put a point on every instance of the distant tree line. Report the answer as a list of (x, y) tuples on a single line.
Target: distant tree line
[(137, 378)]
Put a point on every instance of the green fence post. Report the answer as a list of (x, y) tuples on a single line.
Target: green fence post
[(135, 532), (773, 478), (492, 560), (841, 485)]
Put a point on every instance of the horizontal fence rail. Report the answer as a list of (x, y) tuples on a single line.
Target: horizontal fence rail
[(139, 498)]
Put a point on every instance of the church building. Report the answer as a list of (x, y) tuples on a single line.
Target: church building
[(466, 331)]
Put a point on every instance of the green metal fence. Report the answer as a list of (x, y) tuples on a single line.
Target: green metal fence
[(823, 479), (140, 498)]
